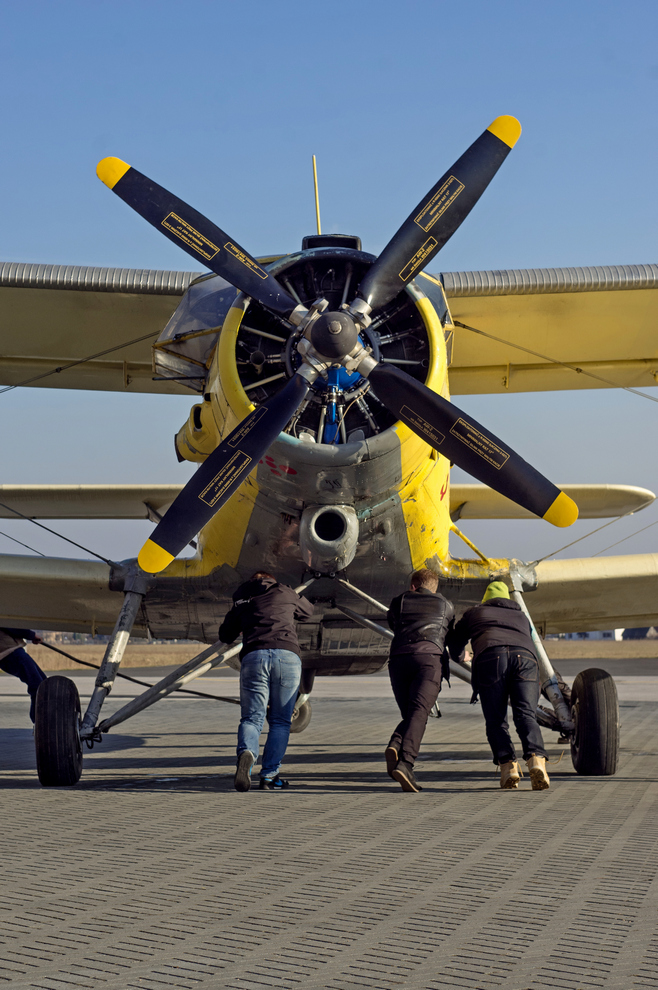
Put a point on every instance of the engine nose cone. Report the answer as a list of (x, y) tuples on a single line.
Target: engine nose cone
[(334, 335)]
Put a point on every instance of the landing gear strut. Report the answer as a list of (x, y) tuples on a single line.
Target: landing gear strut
[(592, 724)]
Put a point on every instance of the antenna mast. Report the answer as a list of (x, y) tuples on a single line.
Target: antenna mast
[(317, 198)]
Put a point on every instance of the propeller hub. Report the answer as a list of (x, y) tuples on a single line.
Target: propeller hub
[(334, 335)]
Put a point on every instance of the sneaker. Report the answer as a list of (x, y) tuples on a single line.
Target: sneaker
[(538, 775), (510, 775), (404, 774), (391, 755), (273, 783), (242, 779)]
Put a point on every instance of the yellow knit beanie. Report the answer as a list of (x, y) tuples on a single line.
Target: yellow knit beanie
[(497, 589)]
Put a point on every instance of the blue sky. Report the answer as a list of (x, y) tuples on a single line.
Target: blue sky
[(224, 103)]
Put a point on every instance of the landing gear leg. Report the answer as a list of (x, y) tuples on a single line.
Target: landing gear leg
[(58, 730), (135, 589), (549, 681)]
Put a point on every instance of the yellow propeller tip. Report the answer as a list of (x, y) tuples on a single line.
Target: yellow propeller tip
[(110, 170), (507, 129), (153, 558), (562, 512)]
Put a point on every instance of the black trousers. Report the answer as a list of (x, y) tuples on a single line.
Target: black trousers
[(505, 675), (416, 682)]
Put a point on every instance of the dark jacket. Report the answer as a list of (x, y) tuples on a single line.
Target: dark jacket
[(498, 622), (420, 621), (265, 612)]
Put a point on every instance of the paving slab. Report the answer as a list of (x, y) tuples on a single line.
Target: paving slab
[(154, 873)]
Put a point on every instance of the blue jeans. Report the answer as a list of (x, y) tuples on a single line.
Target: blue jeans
[(20, 664), (268, 675), (507, 675)]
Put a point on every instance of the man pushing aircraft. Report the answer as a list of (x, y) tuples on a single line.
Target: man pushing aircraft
[(505, 671), (420, 619)]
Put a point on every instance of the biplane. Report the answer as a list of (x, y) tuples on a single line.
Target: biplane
[(324, 428)]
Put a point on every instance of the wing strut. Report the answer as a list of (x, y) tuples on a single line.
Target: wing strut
[(549, 682)]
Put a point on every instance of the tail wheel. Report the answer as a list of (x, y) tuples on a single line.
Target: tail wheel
[(301, 717), (56, 732), (595, 712)]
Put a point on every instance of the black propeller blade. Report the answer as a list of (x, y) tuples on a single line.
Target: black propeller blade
[(469, 445), (439, 214), (219, 476), (194, 233)]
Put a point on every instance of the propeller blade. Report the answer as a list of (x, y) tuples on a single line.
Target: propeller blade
[(471, 446), (195, 234), (439, 214), (219, 476)]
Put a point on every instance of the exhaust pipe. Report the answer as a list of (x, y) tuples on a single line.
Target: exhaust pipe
[(328, 537)]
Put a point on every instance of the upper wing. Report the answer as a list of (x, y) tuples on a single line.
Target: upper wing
[(601, 320), (596, 593), (55, 314), (593, 501)]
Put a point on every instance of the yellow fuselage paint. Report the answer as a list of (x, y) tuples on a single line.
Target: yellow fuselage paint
[(425, 489)]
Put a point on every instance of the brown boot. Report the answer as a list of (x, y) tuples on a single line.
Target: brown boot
[(538, 775), (510, 775)]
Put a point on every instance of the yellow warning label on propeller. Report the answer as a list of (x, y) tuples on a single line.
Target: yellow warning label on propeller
[(439, 203), (480, 444), (420, 425), (186, 233), (245, 428), (231, 472), (244, 259), (418, 259)]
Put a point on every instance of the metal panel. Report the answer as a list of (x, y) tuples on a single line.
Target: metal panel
[(522, 281), (80, 277), (351, 641)]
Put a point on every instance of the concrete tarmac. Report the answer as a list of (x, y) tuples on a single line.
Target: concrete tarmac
[(154, 873)]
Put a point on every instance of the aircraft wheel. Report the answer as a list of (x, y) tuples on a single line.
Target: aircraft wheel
[(595, 712), (56, 732), (301, 717)]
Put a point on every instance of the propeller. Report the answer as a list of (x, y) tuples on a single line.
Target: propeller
[(439, 214), (469, 444), (197, 235), (332, 338)]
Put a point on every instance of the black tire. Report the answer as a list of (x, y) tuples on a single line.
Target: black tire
[(595, 712), (56, 732), (301, 717)]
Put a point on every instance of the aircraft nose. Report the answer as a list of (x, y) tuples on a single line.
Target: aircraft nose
[(334, 334)]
